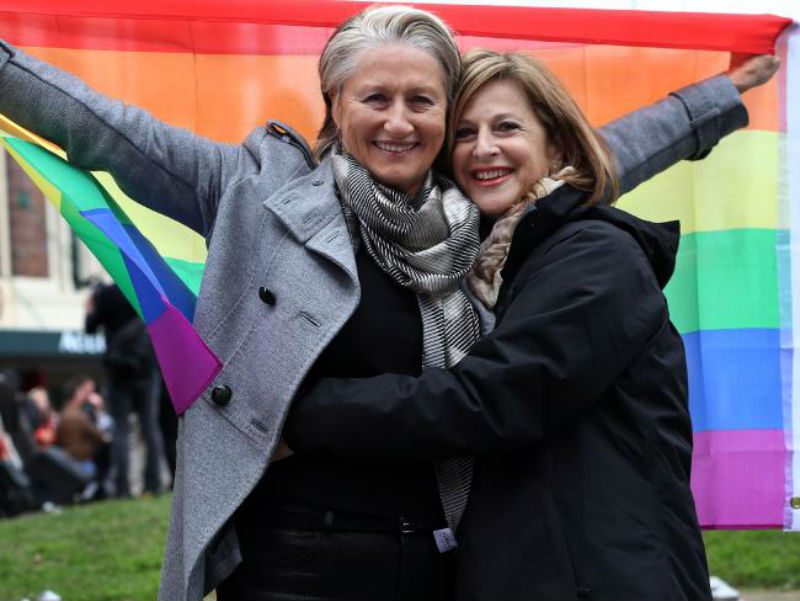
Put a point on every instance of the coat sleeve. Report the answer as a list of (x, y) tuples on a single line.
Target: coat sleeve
[(168, 169), (685, 125), (579, 316)]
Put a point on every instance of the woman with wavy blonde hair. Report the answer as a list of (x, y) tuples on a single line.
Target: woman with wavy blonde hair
[(566, 125), (583, 159)]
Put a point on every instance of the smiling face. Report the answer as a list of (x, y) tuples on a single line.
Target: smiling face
[(391, 114), (500, 147)]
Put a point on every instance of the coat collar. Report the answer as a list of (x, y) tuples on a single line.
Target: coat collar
[(541, 219), (310, 210)]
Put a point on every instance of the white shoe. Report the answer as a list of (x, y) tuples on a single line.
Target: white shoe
[(722, 591)]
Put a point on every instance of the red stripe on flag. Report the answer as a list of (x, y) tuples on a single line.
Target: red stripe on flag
[(210, 26)]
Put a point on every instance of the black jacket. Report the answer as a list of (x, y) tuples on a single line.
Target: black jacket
[(129, 355), (576, 406)]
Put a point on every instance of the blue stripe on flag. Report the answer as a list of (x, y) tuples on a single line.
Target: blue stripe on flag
[(148, 288), (734, 379), (177, 292)]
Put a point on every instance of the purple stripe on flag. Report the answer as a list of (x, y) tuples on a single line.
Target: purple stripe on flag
[(188, 365), (738, 478)]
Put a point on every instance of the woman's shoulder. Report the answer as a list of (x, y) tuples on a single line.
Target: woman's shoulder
[(283, 133), (608, 238), (278, 149), (586, 240)]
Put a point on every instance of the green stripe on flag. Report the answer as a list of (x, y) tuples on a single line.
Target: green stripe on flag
[(81, 187), (725, 280), (189, 272), (80, 192), (101, 247)]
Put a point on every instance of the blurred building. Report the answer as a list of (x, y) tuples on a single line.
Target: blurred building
[(46, 275)]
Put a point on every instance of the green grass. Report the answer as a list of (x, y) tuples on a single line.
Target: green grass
[(107, 551), (767, 559), (112, 551)]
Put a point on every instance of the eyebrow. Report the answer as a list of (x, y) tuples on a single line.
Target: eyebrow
[(498, 117), (424, 89), (373, 85)]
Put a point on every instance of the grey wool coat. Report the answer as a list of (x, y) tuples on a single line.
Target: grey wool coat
[(271, 220)]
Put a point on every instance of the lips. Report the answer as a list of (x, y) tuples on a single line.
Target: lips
[(396, 147), (491, 176)]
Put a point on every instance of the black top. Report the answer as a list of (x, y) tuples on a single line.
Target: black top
[(384, 335), (111, 311)]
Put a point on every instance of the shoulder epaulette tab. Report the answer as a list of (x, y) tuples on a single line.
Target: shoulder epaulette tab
[(286, 134)]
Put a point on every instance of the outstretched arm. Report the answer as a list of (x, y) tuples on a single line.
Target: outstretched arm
[(561, 344), (169, 169), (686, 125)]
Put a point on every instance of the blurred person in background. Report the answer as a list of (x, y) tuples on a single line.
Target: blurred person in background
[(77, 432), (14, 485), (168, 422), (133, 385), (8, 450), (41, 417), (14, 419)]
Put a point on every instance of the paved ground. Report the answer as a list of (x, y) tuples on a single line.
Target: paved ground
[(756, 595)]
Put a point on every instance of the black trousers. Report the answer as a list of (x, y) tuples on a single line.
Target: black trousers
[(293, 564)]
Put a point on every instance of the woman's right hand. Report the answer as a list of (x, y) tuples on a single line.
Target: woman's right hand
[(281, 452), (749, 71)]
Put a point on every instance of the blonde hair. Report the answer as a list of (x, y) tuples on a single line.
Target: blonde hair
[(566, 126), (369, 29)]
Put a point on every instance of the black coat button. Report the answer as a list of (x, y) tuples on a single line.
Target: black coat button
[(265, 294), (221, 395)]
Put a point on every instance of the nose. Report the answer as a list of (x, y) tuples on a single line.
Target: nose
[(397, 123), (485, 146)]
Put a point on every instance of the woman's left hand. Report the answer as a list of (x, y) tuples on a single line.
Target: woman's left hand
[(750, 71)]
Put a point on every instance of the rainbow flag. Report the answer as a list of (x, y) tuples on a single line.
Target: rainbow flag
[(223, 68)]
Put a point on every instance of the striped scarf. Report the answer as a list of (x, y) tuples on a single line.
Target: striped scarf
[(426, 243), (485, 277)]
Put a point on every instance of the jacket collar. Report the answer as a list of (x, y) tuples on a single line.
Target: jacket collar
[(658, 241), (541, 219), (309, 209)]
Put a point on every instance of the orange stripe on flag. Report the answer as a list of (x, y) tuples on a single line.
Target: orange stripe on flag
[(226, 96)]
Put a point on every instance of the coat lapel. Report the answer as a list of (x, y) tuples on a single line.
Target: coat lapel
[(311, 211)]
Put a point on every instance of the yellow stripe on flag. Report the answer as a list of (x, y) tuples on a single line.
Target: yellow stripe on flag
[(171, 239), (735, 187), (52, 193), (9, 128)]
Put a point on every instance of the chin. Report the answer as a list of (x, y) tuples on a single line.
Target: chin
[(400, 181), (492, 207)]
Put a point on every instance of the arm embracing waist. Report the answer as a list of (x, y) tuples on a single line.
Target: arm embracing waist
[(579, 317)]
